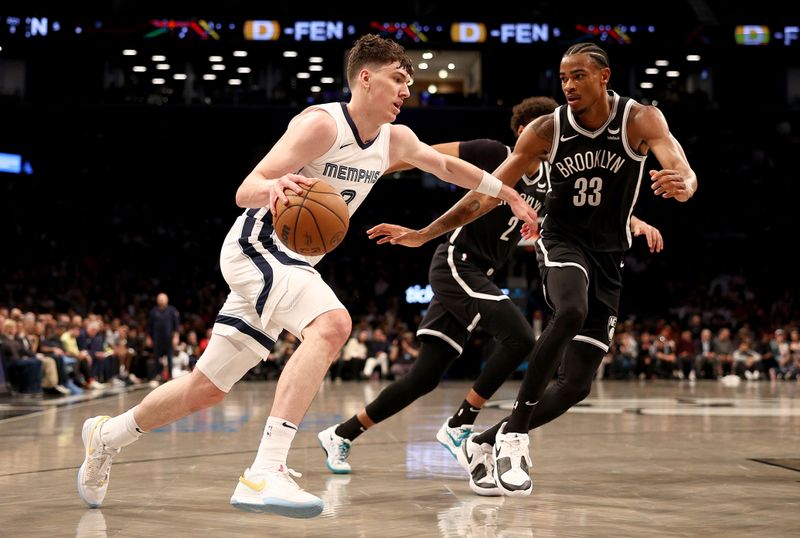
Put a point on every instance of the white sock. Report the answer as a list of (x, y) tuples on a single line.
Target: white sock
[(121, 430), (274, 448)]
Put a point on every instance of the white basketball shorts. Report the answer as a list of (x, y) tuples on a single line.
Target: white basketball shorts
[(270, 291)]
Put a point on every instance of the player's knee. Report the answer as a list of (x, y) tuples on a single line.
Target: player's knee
[(521, 341), (576, 392), (334, 327), (572, 316), (422, 384), (203, 392)]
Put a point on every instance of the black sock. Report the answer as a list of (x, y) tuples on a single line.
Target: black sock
[(466, 414), (350, 429), (489, 435)]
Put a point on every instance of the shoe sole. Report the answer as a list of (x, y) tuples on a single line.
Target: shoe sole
[(279, 507), (486, 492), (328, 465)]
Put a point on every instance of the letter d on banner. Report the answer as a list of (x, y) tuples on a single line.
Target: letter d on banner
[(262, 30), (468, 32)]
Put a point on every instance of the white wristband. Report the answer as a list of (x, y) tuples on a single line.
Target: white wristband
[(489, 185)]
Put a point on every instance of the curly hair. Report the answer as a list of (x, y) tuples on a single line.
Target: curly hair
[(529, 109), (375, 49)]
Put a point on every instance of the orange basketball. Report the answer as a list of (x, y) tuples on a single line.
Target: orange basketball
[(314, 222)]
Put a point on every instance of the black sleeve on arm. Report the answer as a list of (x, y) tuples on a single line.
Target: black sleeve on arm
[(484, 153)]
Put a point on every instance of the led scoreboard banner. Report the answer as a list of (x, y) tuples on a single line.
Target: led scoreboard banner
[(408, 32)]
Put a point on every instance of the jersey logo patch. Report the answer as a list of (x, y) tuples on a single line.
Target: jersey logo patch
[(565, 138), (613, 131), (612, 324)]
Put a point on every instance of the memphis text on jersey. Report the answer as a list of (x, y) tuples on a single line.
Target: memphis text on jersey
[(350, 173), (580, 162)]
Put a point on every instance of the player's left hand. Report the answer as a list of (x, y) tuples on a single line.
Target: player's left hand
[(525, 213), (396, 235), (653, 235), (670, 184)]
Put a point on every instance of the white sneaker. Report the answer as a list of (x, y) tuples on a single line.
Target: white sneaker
[(275, 492), (94, 474), (477, 459), (512, 462), (336, 448), (453, 438)]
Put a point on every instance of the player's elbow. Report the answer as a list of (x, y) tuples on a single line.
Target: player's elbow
[(241, 198)]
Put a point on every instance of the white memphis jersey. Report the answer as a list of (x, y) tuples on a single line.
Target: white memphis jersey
[(350, 166)]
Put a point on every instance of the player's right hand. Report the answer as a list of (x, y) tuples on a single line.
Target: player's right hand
[(288, 181), (529, 233), (653, 235), (396, 235)]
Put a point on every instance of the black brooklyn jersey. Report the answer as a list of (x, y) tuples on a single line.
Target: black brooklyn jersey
[(595, 178), (490, 240)]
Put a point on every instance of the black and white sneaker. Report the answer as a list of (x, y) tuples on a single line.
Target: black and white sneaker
[(512, 463), (478, 461)]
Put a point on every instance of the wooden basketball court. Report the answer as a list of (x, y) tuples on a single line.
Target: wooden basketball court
[(635, 459)]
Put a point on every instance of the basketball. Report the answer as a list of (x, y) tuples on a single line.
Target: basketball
[(313, 223)]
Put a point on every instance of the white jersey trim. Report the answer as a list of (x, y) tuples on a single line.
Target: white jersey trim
[(549, 263), (463, 284), (602, 128), (628, 149), (591, 341), (443, 336)]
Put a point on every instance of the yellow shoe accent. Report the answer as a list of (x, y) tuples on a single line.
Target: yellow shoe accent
[(259, 487), (90, 448)]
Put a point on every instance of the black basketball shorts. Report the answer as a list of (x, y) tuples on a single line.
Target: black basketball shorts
[(603, 272), (463, 297)]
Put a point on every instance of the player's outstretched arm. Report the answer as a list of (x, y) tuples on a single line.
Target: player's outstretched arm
[(471, 206), (408, 148), (448, 148)]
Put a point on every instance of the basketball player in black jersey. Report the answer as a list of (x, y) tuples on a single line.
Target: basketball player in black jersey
[(464, 295), (596, 145)]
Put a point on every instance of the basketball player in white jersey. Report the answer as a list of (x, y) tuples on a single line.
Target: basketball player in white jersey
[(349, 146)]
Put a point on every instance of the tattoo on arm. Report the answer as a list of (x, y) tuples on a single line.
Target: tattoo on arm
[(469, 208)]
